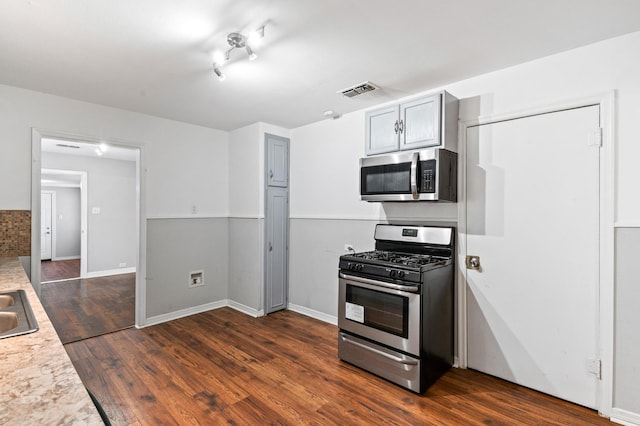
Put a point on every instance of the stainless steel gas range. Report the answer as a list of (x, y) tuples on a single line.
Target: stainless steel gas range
[(395, 309)]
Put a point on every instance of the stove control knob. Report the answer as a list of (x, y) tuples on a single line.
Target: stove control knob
[(359, 267), (350, 266), (400, 274), (392, 273)]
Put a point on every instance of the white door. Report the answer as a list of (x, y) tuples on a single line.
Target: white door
[(532, 218), (45, 225)]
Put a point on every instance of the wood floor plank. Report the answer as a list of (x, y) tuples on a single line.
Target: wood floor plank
[(84, 308), (223, 367)]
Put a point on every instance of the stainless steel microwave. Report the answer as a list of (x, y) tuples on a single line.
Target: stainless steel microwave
[(427, 175)]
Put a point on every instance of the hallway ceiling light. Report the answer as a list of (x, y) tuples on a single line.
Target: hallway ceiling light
[(237, 41)]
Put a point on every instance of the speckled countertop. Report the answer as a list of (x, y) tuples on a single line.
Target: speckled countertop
[(38, 384)]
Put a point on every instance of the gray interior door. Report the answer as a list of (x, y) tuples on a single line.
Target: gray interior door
[(276, 223), (277, 206)]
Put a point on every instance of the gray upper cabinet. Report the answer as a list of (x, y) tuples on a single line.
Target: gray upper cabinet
[(427, 121)]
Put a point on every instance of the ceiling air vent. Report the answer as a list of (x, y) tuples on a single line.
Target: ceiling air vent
[(358, 89)]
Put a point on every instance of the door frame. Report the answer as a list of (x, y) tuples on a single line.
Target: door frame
[(37, 135), (83, 213), (605, 328)]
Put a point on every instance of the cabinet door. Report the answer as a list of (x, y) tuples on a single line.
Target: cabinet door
[(382, 133), (420, 123), (277, 161)]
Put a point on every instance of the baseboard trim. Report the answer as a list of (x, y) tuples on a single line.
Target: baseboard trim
[(56, 259), (245, 309), (224, 303), (109, 272), (624, 417), (313, 314), (159, 319)]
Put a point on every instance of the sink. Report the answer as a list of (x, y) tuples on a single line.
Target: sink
[(16, 316), (8, 321), (6, 300)]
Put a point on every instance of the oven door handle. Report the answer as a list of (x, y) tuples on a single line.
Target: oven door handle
[(398, 287), (378, 352)]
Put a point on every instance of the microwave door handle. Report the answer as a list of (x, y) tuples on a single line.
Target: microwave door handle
[(414, 175)]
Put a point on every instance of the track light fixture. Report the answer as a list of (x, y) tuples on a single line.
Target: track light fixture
[(219, 73), (237, 41)]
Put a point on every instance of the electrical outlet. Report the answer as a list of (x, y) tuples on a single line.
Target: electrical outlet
[(122, 265), (194, 209), (348, 247), (196, 279)]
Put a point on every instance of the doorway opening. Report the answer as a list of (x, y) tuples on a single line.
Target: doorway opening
[(87, 271), (63, 221)]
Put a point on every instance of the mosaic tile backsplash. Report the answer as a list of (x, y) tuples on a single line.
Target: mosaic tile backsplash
[(15, 233)]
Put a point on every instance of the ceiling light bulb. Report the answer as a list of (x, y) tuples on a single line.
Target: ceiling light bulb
[(220, 57), (251, 53), (219, 73), (255, 38)]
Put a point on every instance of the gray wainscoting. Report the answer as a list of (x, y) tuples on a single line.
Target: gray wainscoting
[(626, 394), (246, 260), (176, 247), (315, 246)]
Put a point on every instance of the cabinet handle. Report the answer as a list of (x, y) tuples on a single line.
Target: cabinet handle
[(401, 126), (395, 127)]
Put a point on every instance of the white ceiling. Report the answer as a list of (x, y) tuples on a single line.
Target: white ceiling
[(155, 56)]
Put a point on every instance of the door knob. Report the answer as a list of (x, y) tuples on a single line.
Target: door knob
[(270, 247), (473, 262), (270, 174)]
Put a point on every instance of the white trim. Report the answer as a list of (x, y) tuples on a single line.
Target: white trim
[(109, 272), (191, 216), (627, 224), (605, 327), (624, 417), (159, 319), (65, 258), (313, 313), (245, 309), (240, 216)]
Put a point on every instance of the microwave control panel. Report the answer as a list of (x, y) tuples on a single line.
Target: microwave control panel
[(427, 176)]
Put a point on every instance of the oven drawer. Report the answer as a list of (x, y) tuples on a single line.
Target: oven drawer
[(396, 367), (387, 316)]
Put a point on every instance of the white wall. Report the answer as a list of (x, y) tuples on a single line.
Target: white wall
[(184, 163)]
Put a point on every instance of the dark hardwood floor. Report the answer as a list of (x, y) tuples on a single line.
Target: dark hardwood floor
[(223, 367), (84, 308), (54, 270)]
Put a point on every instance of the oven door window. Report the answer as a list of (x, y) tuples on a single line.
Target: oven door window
[(376, 309), (386, 179)]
